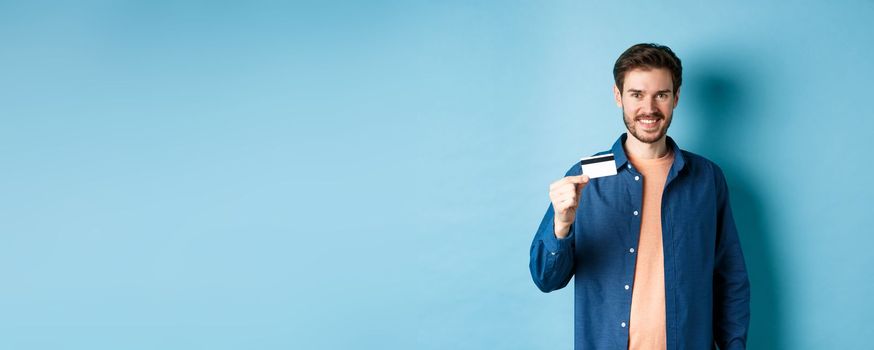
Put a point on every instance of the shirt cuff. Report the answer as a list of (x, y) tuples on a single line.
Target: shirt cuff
[(554, 244)]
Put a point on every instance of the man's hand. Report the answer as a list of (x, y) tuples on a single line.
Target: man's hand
[(565, 197)]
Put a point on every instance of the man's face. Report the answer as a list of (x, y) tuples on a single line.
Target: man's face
[(648, 100)]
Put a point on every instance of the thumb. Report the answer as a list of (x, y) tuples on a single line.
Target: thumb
[(579, 179)]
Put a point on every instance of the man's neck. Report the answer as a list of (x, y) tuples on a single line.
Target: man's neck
[(642, 150)]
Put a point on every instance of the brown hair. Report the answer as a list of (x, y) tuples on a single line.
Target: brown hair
[(648, 56)]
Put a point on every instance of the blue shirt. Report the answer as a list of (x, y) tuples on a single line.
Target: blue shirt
[(707, 291)]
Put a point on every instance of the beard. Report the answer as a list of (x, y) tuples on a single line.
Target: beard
[(647, 136)]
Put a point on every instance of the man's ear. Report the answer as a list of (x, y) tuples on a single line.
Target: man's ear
[(677, 98), (617, 95)]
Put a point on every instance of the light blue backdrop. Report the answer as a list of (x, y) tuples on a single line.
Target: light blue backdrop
[(369, 175)]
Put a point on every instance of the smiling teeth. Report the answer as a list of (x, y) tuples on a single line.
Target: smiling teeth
[(648, 121)]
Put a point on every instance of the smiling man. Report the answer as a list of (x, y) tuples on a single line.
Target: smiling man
[(654, 250)]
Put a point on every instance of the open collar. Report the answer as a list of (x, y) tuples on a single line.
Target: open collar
[(622, 159)]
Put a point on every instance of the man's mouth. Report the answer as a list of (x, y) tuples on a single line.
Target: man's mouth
[(648, 122)]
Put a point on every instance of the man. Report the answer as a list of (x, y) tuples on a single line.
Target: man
[(653, 249)]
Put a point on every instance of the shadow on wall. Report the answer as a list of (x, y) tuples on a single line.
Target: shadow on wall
[(724, 105)]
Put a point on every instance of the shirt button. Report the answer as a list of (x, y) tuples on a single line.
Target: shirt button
[(553, 253), (627, 286), (629, 166), (635, 213), (636, 178), (631, 250), (623, 324)]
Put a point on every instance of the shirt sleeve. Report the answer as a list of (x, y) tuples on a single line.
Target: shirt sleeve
[(552, 259), (731, 286)]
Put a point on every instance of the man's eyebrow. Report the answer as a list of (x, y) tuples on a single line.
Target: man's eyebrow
[(657, 92)]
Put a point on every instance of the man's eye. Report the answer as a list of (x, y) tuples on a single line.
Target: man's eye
[(663, 96), (635, 95)]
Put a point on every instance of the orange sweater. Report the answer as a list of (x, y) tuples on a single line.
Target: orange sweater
[(646, 329)]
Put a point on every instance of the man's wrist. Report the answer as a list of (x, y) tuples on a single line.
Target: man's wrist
[(562, 230)]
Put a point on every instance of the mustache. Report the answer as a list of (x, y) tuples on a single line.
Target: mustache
[(655, 114)]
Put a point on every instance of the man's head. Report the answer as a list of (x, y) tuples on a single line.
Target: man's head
[(648, 78)]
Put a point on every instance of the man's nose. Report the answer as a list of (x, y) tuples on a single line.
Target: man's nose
[(649, 105)]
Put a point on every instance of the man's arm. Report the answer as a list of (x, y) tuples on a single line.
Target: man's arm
[(552, 251), (552, 258), (731, 286)]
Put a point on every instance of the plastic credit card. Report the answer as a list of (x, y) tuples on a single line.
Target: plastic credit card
[(599, 166)]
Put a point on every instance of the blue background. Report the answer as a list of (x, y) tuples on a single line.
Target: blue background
[(334, 175)]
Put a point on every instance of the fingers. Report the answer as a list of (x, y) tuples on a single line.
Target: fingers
[(567, 196), (567, 184), (583, 181), (579, 179), (565, 193), (567, 202)]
